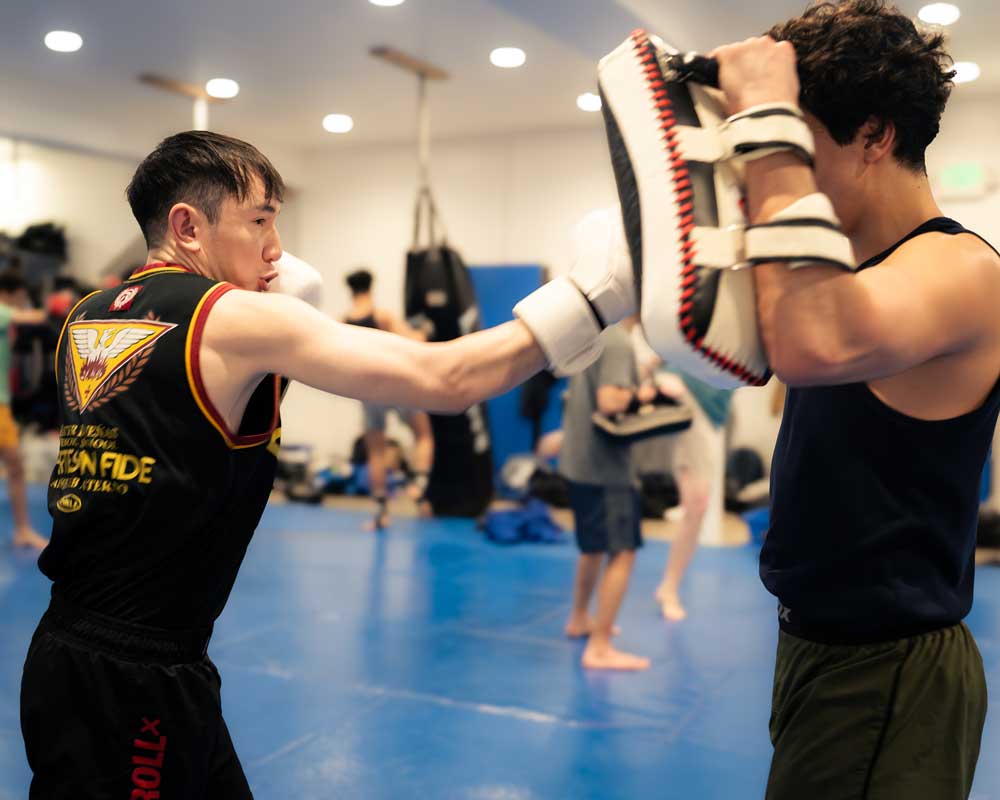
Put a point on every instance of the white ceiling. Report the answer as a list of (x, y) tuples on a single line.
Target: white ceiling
[(301, 59)]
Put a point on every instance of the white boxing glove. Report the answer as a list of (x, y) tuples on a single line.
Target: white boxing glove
[(298, 279), (567, 315)]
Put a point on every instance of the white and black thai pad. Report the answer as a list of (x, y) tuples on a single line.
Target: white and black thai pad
[(683, 216)]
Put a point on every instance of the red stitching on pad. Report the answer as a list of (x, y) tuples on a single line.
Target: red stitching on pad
[(679, 175)]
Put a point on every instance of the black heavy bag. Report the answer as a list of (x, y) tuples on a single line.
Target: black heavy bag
[(440, 300), (439, 297)]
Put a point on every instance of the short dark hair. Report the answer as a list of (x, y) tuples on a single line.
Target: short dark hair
[(11, 282), (860, 59), (360, 281), (200, 168)]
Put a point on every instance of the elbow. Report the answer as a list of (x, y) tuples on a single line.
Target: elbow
[(800, 366), (811, 355), (795, 360), (796, 374)]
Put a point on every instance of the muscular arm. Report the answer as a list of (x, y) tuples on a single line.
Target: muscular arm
[(250, 334), (820, 325)]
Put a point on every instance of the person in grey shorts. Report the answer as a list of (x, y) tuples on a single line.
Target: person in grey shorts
[(363, 312), (697, 460), (604, 496)]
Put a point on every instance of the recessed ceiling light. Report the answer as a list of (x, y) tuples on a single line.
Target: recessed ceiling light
[(386, 2), (508, 57), (223, 88), (939, 14), (588, 101), (966, 71), (63, 41), (338, 123)]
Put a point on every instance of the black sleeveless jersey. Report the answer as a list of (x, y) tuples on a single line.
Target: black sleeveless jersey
[(873, 512), (153, 499)]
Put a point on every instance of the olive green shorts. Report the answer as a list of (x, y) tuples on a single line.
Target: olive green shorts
[(885, 721)]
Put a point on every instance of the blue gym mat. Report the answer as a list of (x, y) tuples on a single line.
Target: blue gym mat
[(426, 663)]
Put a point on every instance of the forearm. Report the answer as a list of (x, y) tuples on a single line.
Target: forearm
[(482, 365), (250, 334), (807, 313)]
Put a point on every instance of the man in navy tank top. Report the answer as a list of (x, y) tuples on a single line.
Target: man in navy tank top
[(879, 690)]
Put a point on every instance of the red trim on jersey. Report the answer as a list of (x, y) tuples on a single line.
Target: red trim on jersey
[(197, 328), (158, 265)]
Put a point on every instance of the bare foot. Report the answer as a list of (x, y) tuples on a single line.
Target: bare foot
[(672, 609), (29, 537), (670, 604), (380, 522), (609, 658), (577, 629)]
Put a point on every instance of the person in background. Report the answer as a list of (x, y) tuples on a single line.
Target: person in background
[(604, 497), (363, 312), (697, 462), (14, 311)]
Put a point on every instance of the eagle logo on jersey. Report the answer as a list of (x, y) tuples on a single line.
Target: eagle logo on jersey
[(104, 357)]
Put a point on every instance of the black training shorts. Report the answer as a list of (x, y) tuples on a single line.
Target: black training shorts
[(115, 711)]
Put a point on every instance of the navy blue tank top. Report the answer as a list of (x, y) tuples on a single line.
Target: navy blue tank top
[(363, 322), (873, 513)]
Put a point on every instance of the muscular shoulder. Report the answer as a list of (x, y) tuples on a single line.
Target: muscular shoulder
[(239, 321), (961, 257)]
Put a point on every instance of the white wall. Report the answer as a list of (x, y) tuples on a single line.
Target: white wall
[(85, 193), (504, 200), (80, 191), (969, 132)]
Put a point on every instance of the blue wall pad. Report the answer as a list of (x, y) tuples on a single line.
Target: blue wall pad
[(498, 289)]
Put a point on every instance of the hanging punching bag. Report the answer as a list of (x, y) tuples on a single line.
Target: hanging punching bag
[(440, 300)]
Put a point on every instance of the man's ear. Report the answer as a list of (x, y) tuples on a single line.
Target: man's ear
[(186, 224), (879, 136)]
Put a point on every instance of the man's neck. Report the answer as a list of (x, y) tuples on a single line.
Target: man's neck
[(895, 207), (166, 254)]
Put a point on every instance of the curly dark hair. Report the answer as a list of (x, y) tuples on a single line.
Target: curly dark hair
[(861, 59)]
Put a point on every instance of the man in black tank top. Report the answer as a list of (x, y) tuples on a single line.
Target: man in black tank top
[(169, 395), (879, 690), (364, 313)]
